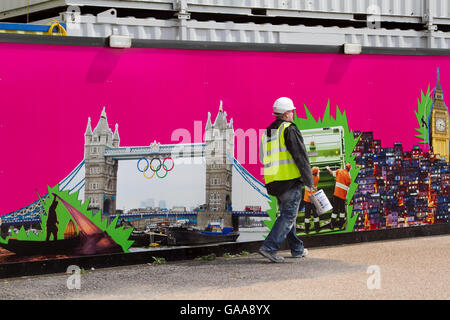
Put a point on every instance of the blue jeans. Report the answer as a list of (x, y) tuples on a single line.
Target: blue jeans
[(285, 225)]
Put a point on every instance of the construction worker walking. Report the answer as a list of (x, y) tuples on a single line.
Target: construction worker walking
[(286, 170), (309, 207), (343, 181)]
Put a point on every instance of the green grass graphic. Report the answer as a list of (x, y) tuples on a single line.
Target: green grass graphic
[(119, 235), (424, 104), (272, 212)]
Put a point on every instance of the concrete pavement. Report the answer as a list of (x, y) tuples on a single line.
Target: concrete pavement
[(415, 268)]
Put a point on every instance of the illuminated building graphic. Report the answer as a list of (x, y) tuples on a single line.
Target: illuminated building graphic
[(399, 188)]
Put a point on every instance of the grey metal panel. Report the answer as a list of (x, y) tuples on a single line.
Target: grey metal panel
[(387, 7), (13, 8), (184, 28), (6, 5), (441, 9), (137, 4), (327, 9), (105, 25)]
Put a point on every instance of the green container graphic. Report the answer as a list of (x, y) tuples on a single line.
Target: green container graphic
[(325, 147)]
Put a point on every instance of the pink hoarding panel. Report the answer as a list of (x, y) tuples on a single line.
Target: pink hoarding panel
[(48, 93)]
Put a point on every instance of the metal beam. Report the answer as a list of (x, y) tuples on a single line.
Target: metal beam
[(143, 5), (21, 11), (427, 17)]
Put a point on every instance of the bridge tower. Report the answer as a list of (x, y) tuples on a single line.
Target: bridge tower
[(219, 142), (100, 171)]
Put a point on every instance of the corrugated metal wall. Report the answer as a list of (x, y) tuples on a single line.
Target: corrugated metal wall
[(400, 8), (107, 24), (410, 23), (406, 8)]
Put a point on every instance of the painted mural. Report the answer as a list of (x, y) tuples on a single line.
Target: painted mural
[(386, 116)]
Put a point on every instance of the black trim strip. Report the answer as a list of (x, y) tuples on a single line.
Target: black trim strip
[(59, 265), (235, 46), (53, 40), (208, 45), (406, 51)]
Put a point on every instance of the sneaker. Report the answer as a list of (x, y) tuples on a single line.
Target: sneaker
[(272, 256), (304, 254)]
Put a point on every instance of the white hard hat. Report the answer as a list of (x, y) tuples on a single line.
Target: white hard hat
[(282, 105)]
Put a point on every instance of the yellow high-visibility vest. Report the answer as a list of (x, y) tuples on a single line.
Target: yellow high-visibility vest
[(278, 162)]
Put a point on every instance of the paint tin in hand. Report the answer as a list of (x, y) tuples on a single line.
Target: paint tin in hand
[(321, 202)]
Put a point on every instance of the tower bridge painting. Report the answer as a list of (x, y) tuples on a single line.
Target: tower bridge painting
[(103, 153)]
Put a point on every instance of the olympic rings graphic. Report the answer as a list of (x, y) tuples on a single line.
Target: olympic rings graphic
[(173, 163), (161, 165)]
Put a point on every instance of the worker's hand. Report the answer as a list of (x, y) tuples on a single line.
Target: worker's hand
[(328, 168)]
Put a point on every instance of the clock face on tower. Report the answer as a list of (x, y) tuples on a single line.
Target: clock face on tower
[(440, 125)]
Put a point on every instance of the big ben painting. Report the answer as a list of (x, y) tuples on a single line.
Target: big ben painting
[(439, 123)]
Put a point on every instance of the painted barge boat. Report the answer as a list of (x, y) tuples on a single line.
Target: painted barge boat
[(191, 236), (145, 238)]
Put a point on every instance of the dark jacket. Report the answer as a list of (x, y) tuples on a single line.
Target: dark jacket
[(296, 147)]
